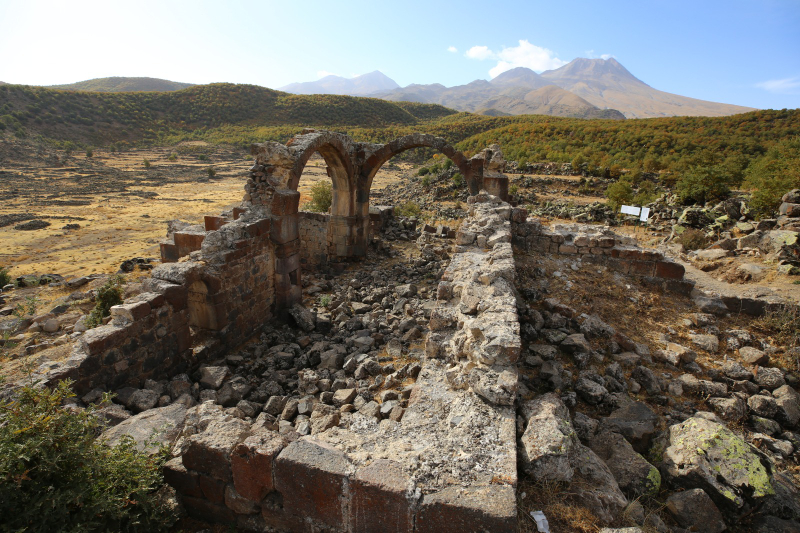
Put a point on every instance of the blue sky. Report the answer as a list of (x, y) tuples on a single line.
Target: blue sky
[(744, 52)]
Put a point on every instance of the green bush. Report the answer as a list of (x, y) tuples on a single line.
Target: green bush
[(5, 277), (703, 184), (89, 153), (172, 157), (773, 175), (211, 172), (458, 179), (426, 181), (109, 295), (448, 163), (146, 163), (54, 475), (693, 239), (321, 197), (513, 190), (646, 194), (408, 209), (423, 171), (619, 193)]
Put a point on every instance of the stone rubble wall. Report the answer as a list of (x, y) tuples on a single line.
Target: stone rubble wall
[(228, 290), (475, 328), (601, 246), (313, 228)]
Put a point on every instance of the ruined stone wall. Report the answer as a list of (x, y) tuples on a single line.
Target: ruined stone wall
[(313, 228), (229, 290), (601, 246)]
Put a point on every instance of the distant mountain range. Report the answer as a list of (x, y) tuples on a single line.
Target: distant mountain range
[(123, 85), (359, 86), (585, 88)]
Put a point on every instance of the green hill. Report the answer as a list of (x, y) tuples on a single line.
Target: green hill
[(118, 84)]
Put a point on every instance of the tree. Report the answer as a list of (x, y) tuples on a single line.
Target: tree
[(619, 193), (321, 197), (703, 184), (771, 176)]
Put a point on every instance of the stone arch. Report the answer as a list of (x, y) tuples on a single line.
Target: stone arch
[(416, 140), (336, 150)]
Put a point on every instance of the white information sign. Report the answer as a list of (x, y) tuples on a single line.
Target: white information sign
[(645, 214), (630, 210)]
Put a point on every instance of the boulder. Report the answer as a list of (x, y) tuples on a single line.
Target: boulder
[(211, 377), (304, 318), (695, 511), (150, 429), (636, 422), (548, 439), (594, 485), (635, 476), (699, 453)]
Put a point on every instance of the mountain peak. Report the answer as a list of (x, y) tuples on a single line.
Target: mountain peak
[(520, 77), (372, 82), (585, 68)]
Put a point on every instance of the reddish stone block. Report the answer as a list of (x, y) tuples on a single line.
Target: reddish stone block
[(286, 265), (154, 300), (237, 212), (169, 252), (284, 229), (285, 202), (184, 337), (213, 223), (213, 489), (380, 499), (183, 481), (201, 509), (209, 452), (251, 464), (312, 477), (188, 242), (641, 268), (669, 270), (177, 297), (457, 508)]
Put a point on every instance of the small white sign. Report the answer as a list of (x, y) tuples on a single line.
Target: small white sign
[(645, 214), (630, 210)]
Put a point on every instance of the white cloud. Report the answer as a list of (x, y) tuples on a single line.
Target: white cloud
[(452, 49), (524, 55), (784, 86), (323, 73), (591, 54)]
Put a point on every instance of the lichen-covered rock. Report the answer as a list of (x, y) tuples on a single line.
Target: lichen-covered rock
[(548, 439), (702, 454)]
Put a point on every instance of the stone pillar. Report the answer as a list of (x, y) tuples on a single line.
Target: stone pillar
[(286, 236)]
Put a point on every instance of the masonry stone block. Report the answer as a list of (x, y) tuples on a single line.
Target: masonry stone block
[(312, 477), (476, 509), (209, 452), (284, 229), (252, 464), (213, 223), (285, 202), (669, 270), (382, 499), (183, 481)]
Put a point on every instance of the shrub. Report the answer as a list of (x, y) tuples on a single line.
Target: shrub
[(458, 179), (172, 157), (54, 475), (211, 172), (408, 209), (321, 197), (703, 184), (5, 277), (426, 181), (109, 295), (423, 171), (448, 163), (146, 163), (202, 157), (89, 153), (692, 239), (773, 175), (783, 325), (513, 190), (619, 193), (646, 194), (28, 308)]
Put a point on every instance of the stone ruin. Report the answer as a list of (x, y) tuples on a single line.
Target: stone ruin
[(438, 450)]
